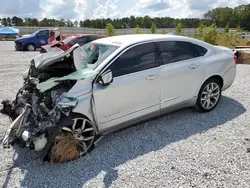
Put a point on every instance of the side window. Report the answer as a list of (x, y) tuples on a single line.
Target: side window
[(199, 50), (43, 33), (138, 58), (173, 51)]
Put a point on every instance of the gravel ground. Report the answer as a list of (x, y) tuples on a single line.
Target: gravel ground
[(183, 149)]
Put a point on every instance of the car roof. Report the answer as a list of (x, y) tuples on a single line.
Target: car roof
[(127, 40)]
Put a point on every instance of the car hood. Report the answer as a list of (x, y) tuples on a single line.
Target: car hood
[(82, 74), (47, 59), (23, 38)]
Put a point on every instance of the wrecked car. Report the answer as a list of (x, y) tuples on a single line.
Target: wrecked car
[(70, 99), (64, 45)]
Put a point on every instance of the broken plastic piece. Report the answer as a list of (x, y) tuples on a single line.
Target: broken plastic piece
[(11, 132)]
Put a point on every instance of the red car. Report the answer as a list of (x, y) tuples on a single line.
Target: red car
[(67, 43)]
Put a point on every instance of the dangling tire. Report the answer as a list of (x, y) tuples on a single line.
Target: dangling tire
[(209, 95), (73, 141)]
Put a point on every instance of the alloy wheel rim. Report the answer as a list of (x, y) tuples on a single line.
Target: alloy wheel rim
[(83, 132), (210, 95), (31, 48)]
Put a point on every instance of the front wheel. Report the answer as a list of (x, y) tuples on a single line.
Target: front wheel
[(73, 141), (209, 96), (30, 47)]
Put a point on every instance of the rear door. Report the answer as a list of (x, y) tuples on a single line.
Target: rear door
[(182, 71)]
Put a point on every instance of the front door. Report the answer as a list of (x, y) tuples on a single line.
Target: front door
[(135, 90), (42, 38), (182, 71)]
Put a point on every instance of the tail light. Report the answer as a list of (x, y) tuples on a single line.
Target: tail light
[(235, 59)]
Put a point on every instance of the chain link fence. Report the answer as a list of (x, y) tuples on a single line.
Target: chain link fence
[(78, 30)]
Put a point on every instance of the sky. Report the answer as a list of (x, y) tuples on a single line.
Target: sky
[(92, 9)]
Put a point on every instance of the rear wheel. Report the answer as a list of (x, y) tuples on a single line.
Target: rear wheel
[(209, 95)]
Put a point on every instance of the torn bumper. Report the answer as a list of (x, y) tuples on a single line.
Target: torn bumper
[(19, 46), (24, 133)]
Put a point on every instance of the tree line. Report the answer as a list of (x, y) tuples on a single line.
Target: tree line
[(222, 17)]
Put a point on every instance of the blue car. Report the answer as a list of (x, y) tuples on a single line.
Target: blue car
[(34, 41)]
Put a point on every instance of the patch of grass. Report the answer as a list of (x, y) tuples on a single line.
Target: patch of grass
[(227, 40)]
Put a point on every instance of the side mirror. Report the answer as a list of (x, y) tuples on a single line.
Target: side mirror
[(106, 78)]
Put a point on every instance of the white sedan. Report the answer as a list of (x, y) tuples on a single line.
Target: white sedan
[(117, 81)]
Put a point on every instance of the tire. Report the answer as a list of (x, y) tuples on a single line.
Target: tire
[(82, 129), (30, 47), (212, 97)]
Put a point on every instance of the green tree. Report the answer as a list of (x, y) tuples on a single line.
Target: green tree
[(132, 22), (87, 23), (110, 30), (81, 23), (201, 28), (153, 28), (61, 23), (28, 22), (163, 31), (220, 16), (147, 22), (4, 22), (210, 34), (178, 29), (139, 21), (76, 24), (17, 21), (9, 21), (226, 29), (138, 30), (69, 23), (238, 29)]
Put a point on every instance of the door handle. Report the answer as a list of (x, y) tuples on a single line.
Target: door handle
[(151, 77), (194, 66)]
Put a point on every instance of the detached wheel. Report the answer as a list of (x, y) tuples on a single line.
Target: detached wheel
[(30, 47), (73, 141), (209, 95)]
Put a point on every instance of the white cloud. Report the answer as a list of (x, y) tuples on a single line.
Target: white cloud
[(20, 7), (91, 9), (109, 9), (180, 8)]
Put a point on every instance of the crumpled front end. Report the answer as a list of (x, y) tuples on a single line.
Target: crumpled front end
[(41, 107)]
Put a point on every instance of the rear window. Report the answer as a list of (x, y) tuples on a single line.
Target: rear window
[(200, 51)]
